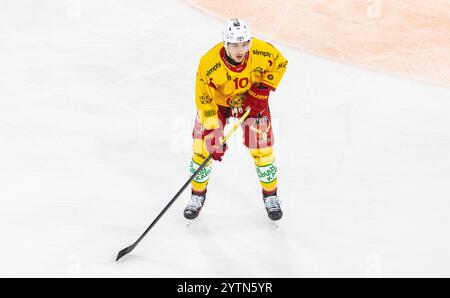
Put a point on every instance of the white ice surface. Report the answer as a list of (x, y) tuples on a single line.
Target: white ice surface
[(96, 111)]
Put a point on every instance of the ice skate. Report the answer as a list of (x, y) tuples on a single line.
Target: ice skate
[(195, 205), (272, 204)]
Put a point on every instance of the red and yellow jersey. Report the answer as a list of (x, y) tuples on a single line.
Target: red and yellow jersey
[(219, 83)]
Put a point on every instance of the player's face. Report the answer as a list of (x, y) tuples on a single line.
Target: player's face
[(237, 51)]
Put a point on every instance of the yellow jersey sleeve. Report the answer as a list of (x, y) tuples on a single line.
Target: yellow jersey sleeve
[(204, 95), (276, 66)]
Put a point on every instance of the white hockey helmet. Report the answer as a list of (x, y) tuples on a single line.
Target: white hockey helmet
[(235, 31)]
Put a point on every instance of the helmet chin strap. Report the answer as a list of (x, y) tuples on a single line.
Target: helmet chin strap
[(225, 45)]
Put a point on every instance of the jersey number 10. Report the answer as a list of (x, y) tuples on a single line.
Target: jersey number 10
[(240, 83)]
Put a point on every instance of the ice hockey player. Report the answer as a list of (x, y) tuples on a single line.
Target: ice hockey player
[(235, 75)]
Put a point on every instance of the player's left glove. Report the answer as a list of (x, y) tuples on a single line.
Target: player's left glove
[(212, 137), (257, 100)]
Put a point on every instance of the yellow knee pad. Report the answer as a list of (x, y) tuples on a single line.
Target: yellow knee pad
[(200, 182), (266, 168), (199, 149), (263, 156)]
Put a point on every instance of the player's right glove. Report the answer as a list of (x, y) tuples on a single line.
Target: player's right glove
[(212, 138)]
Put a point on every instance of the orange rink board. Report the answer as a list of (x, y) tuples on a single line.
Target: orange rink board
[(410, 38)]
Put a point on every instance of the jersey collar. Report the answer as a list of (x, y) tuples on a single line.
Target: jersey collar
[(238, 68)]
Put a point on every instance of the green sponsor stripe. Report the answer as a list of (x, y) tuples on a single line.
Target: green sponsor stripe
[(200, 182), (204, 174), (268, 182), (267, 174)]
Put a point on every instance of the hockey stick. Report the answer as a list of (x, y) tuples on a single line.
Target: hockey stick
[(128, 249)]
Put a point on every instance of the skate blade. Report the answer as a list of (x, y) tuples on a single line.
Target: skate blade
[(275, 224), (189, 222)]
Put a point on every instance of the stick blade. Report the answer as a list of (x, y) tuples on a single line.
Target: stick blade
[(124, 252)]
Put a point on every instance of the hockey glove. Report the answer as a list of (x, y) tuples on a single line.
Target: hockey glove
[(212, 139), (257, 100)]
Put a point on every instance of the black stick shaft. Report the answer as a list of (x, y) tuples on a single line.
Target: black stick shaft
[(127, 250)]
